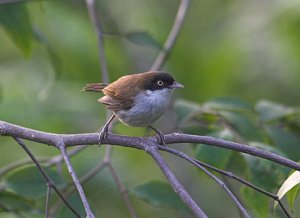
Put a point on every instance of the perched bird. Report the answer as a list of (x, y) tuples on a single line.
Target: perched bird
[(136, 100)]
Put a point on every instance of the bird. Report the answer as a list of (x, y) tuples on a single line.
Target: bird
[(136, 100)]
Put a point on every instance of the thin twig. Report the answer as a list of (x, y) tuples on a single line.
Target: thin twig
[(45, 175), (163, 55), (83, 179), (48, 200), (11, 211), (59, 158), (191, 160), (152, 149), (122, 190), (97, 25), (102, 60), (11, 1), (187, 138), (47, 161), (230, 175), (117, 180), (18, 164), (86, 205), (136, 142)]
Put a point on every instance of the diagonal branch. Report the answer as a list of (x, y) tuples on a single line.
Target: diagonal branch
[(230, 175), (187, 138), (86, 205), (45, 176), (163, 55), (152, 149), (97, 25), (48, 200), (8, 129), (122, 190), (69, 190)]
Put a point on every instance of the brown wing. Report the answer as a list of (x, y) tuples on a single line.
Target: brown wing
[(116, 93)]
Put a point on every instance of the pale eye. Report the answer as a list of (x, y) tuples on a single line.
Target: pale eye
[(160, 83)]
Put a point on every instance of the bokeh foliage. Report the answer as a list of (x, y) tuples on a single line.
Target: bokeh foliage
[(248, 50)]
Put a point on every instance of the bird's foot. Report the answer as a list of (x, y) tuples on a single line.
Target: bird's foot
[(161, 138), (102, 135), (160, 135)]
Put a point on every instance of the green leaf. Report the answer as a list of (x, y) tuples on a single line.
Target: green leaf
[(237, 165), (28, 182), (269, 111), (228, 103), (207, 119), (55, 61), (159, 194), (142, 38), (264, 173), (7, 215), (241, 124), (16, 202), (184, 109), (258, 202), (15, 20), (54, 58), (292, 194), (292, 181), (286, 141), (76, 203), (217, 157)]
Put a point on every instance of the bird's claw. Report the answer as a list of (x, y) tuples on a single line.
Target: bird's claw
[(161, 138), (102, 135)]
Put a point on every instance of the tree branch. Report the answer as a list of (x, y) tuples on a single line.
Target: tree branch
[(47, 200), (230, 175), (86, 205), (163, 55), (8, 129), (122, 190), (45, 176), (223, 185), (152, 149), (186, 138), (107, 159), (83, 179), (134, 142), (97, 25)]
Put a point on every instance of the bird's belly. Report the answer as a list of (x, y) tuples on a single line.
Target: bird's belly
[(137, 116), (148, 108)]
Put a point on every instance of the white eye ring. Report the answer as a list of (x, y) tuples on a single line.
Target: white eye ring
[(160, 83)]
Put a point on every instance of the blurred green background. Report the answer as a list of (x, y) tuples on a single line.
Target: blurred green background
[(248, 50)]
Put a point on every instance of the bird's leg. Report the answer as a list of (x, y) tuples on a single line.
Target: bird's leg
[(104, 131), (160, 135)]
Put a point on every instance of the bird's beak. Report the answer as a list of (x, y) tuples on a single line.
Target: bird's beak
[(176, 85)]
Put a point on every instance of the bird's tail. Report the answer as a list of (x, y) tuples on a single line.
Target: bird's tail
[(94, 87)]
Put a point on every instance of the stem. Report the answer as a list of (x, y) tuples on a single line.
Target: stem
[(97, 25), (163, 55), (176, 185), (222, 184), (86, 205), (45, 175)]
